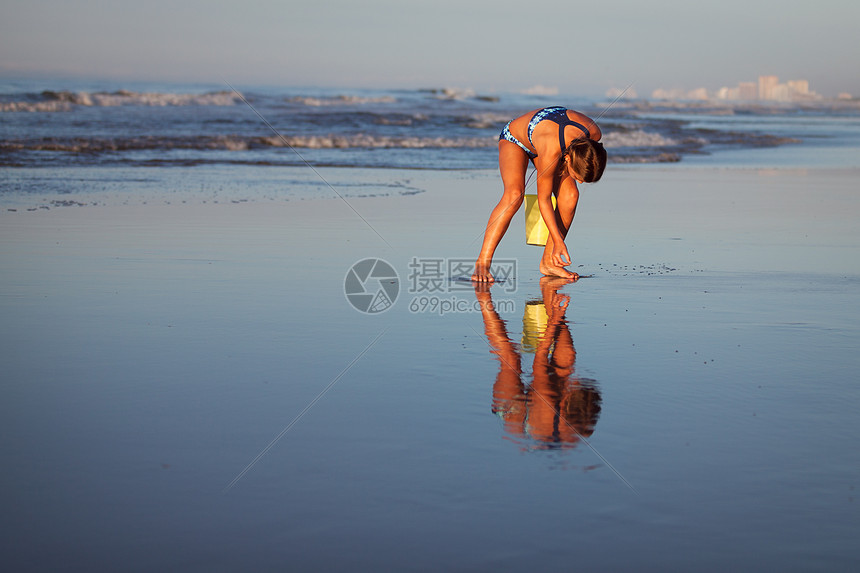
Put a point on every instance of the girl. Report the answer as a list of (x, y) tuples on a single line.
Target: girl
[(565, 147)]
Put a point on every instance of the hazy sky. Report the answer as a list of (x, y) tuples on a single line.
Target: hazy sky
[(578, 47)]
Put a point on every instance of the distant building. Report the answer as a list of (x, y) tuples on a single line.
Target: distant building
[(798, 87), (747, 91), (679, 94), (767, 87), (699, 94)]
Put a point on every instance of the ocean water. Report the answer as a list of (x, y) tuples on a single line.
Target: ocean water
[(73, 143), (110, 125)]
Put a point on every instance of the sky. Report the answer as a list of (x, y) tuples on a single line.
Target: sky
[(501, 45)]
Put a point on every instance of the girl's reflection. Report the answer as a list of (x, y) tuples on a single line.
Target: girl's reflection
[(558, 408)]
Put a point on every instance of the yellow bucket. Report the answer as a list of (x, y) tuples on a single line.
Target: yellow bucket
[(536, 230), (534, 325)]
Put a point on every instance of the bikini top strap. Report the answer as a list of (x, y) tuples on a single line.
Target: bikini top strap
[(562, 124)]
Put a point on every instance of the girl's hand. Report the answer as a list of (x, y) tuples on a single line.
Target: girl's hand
[(560, 256), (559, 305)]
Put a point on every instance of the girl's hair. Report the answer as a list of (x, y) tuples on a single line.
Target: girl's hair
[(587, 158)]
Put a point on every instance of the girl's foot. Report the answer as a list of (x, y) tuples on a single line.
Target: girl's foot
[(551, 270), (482, 273)]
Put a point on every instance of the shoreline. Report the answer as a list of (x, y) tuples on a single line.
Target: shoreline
[(640, 202), (379, 181), (748, 219)]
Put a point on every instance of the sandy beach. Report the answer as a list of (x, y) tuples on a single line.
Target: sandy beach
[(188, 387)]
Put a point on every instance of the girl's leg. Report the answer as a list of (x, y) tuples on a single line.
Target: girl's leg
[(512, 165), (566, 200)]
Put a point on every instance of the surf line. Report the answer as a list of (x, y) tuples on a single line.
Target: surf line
[(305, 161)]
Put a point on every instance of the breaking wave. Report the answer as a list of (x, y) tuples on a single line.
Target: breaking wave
[(51, 101), (612, 140), (637, 138), (151, 126), (241, 143), (340, 100)]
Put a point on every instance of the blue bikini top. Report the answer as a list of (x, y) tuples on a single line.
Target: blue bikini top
[(557, 114)]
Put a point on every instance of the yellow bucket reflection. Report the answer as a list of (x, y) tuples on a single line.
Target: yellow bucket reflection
[(534, 325)]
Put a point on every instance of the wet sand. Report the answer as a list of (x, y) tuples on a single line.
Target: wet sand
[(187, 385)]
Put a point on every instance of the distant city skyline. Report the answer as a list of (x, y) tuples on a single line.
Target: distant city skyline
[(766, 88), (487, 45)]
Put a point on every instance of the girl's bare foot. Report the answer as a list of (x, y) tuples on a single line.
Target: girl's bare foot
[(551, 270), (482, 273)]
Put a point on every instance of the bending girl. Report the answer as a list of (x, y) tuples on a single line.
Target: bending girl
[(565, 147)]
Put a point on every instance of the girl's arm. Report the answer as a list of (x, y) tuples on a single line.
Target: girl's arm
[(546, 182)]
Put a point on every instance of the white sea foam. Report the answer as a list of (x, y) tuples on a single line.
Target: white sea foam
[(455, 93), (243, 143), (232, 143), (487, 120), (66, 101), (375, 141), (340, 100), (32, 107), (636, 138), (404, 120), (222, 98)]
